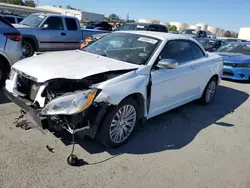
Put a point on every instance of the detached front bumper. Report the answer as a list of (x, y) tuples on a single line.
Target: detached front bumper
[(241, 74), (93, 115), (32, 113)]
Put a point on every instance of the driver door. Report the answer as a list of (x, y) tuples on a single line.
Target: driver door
[(173, 87), (52, 35)]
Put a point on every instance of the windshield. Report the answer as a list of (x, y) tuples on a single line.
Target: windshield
[(33, 20), (236, 48), (131, 48), (207, 43), (129, 27), (188, 31)]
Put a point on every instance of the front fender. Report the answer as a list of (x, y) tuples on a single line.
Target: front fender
[(115, 93), (33, 38)]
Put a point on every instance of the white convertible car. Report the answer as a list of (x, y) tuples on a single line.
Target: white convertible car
[(112, 85)]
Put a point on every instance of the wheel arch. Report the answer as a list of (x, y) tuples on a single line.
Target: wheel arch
[(216, 76), (33, 39), (141, 102)]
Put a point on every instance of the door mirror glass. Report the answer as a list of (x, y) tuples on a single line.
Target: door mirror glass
[(168, 64)]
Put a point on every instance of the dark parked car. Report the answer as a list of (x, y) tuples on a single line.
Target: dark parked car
[(103, 26), (210, 45), (194, 33), (13, 19), (143, 26)]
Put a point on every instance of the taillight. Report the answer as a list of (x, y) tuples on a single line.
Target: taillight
[(14, 36)]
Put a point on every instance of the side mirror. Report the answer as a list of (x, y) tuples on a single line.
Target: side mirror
[(168, 64)]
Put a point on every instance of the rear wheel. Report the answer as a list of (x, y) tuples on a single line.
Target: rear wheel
[(118, 124), (209, 92), (28, 48)]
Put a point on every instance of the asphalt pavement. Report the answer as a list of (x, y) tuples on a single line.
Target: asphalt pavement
[(192, 146)]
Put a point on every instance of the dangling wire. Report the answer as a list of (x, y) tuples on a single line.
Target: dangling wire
[(73, 139)]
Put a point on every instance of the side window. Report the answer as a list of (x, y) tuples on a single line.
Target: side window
[(53, 23), (71, 24), (153, 28), (178, 50), (19, 20), (10, 19), (197, 52)]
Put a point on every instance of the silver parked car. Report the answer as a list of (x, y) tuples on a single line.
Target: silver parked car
[(10, 48)]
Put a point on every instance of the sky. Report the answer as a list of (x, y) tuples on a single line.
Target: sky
[(226, 14)]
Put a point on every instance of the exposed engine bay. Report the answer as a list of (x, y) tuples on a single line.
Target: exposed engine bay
[(66, 103)]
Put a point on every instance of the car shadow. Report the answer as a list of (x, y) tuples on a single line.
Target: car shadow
[(3, 98), (174, 129)]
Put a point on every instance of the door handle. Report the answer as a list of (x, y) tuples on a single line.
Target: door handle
[(63, 34)]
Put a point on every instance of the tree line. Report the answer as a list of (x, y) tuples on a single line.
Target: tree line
[(29, 3)]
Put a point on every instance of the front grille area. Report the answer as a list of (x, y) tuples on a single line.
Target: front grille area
[(229, 64), (227, 72), (27, 87)]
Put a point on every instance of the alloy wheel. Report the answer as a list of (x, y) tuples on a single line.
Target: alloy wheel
[(122, 124), (27, 49), (210, 91)]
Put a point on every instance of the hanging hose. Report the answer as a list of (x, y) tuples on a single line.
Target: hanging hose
[(72, 159)]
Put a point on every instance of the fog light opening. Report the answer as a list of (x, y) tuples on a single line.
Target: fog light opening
[(242, 75)]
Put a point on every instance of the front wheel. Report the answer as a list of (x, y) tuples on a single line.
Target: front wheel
[(28, 48), (118, 124), (209, 92)]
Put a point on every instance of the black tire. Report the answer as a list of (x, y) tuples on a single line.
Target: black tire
[(203, 100), (28, 48), (103, 134), (4, 72)]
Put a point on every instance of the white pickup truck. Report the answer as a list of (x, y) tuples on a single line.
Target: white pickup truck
[(51, 32)]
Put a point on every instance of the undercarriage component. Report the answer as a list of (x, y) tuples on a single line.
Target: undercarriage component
[(70, 130)]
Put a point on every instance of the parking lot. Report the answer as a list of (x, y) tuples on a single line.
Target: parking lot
[(192, 146)]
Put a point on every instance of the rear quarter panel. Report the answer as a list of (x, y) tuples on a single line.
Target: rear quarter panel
[(208, 67), (13, 50)]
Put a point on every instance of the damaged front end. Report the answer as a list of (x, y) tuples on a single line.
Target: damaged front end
[(61, 103)]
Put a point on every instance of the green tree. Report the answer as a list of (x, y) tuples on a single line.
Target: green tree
[(70, 7), (172, 28), (15, 2), (106, 19), (131, 21), (29, 3), (227, 34), (114, 18)]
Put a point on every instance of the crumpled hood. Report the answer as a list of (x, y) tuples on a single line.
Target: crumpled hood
[(235, 58), (69, 64)]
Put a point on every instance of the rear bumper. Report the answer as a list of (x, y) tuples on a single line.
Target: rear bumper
[(232, 73)]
